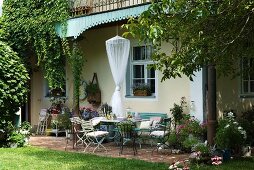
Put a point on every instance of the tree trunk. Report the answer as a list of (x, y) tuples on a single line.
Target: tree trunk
[(211, 122)]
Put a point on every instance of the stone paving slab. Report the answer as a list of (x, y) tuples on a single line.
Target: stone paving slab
[(145, 153)]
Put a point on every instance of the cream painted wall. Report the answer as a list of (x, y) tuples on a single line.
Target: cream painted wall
[(169, 91), (36, 96), (228, 97)]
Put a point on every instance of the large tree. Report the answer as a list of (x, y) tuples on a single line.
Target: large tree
[(29, 27), (13, 84), (216, 33), (203, 32)]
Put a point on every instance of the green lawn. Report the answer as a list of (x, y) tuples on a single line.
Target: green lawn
[(31, 158)]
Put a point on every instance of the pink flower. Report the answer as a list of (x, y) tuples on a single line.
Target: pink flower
[(216, 160)]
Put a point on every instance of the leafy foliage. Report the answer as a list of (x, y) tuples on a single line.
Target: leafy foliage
[(17, 135), (13, 79), (29, 27), (247, 122), (200, 32), (142, 86), (229, 130), (77, 61)]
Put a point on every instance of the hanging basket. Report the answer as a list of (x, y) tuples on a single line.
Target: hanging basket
[(93, 91)]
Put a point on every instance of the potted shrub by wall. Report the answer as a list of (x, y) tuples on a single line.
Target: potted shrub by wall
[(64, 122), (141, 89)]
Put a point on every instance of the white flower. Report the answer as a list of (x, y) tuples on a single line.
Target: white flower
[(227, 126), (24, 132), (173, 166), (230, 115), (177, 163)]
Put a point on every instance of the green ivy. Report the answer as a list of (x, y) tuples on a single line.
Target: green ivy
[(76, 60), (13, 80), (29, 27)]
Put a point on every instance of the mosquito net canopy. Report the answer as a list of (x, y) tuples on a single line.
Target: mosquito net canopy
[(118, 52)]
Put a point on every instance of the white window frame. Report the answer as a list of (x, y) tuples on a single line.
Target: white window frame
[(129, 84)]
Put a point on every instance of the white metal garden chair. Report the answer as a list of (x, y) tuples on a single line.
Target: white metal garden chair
[(93, 136), (42, 122), (79, 133)]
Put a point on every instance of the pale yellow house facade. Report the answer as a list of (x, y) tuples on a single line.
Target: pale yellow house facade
[(230, 95), (93, 46)]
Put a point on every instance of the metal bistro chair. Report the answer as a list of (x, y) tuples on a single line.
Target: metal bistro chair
[(93, 136), (42, 122), (79, 134), (127, 133), (161, 134)]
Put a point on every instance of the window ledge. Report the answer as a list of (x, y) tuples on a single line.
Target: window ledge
[(246, 96), (140, 97)]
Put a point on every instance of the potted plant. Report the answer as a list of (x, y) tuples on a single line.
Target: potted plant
[(64, 123), (93, 93), (141, 89)]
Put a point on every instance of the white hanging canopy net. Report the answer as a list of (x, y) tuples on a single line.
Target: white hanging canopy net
[(118, 52)]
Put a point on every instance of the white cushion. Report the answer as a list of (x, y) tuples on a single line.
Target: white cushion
[(97, 133), (158, 133), (145, 124), (156, 121), (96, 120)]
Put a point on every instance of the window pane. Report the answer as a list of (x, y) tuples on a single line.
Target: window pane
[(252, 86), (151, 73), (139, 53), (138, 81), (245, 86), (138, 71), (151, 82)]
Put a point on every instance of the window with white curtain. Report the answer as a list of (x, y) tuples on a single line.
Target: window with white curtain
[(247, 79), (138, 70)]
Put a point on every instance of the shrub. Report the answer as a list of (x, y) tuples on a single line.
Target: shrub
[(247, 122), (230, 135), (17, 135), (63, 120), (13, 79), (13, 84)]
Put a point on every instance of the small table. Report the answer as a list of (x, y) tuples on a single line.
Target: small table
[(108, 123), (113, 131)]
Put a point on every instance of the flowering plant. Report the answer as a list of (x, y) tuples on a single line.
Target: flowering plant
[(189, 132), (216, 160), (88, 113), (18, 135), (180, 165), (230, 134)]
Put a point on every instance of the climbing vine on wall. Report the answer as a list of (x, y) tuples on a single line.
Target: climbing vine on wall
[(29, 28), (77, 62)]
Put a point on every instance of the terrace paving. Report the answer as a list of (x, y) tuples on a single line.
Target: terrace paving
[(145, 153)]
